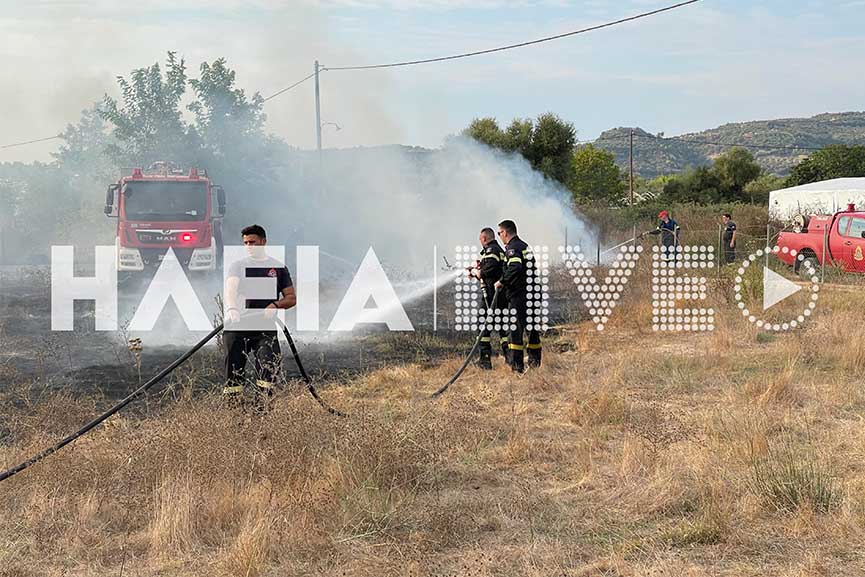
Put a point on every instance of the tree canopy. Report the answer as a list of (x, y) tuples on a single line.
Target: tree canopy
[(834, 161), (595, 176), (547, 142)]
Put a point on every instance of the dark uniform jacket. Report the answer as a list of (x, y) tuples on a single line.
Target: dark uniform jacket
[(517, 254), (729, 229), (492, 264), (669, 232)]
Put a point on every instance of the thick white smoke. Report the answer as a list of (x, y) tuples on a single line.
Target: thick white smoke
[(400, 201), (403, 201)]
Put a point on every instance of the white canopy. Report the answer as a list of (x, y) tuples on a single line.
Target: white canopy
[(824, 197)]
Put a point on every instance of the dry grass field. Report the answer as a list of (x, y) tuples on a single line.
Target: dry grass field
[(629, 453)]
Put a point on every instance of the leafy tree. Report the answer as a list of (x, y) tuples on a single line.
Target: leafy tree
[(519, 136), (595, 176), (757, 191), (699, 185), (735, 169), (834, 161), (654, 188), (85, 147), (725, 181), (148, 124), (486, 131), (553, 142), (223, 113), (547, 143)]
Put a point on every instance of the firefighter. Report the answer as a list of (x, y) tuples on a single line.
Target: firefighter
[(489, 272), (263, 344), (520, 261), (729, 238), (669, 231)]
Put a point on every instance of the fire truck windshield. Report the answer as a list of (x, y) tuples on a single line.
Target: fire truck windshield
[(165, 200)]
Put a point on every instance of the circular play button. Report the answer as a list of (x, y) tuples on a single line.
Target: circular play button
[(777, 288)]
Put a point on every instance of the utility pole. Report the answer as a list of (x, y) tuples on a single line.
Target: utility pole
[(631, 162), (317, 112)]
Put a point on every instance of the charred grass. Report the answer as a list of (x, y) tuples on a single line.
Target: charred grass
[(626, 454)]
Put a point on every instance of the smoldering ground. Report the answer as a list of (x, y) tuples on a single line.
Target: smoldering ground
[(400, 201)]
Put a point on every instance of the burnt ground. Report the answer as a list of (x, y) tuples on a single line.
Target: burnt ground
[(99, 363)]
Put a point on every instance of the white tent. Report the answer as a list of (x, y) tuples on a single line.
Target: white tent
[(825, 197)]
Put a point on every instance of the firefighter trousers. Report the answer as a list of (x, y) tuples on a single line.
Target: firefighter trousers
[(485, 347), (516, 344), (263, 346)]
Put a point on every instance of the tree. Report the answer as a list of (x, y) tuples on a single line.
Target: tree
[(757, 191), (486, 131), (833, 161), (725, 181), (547, 143), (222, 112), (654, 188), (699, 185), (595, 176), (553, 142), (85, 146), (735, 169), (148, 124), (519, 136)]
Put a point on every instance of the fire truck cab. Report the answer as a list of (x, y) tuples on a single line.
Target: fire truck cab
[(164, 208)]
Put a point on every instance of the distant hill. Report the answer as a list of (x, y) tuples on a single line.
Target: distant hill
[(654, 156)]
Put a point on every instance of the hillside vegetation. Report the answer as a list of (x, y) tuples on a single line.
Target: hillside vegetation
[(655, 156)]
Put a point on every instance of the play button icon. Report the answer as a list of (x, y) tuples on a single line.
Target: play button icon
[(776, 288)]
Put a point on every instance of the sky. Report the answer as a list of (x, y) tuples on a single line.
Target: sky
[(698, 67)]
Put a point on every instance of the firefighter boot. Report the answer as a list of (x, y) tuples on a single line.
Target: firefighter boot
[(485, 361), (534, 356), (263, 396), (517, 365), (534, 349), (485, 352), (232, 396), (506, 353)]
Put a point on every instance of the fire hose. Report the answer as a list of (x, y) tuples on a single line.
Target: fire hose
[(473, 350), (95, 422), (150, 383), (309, 386)]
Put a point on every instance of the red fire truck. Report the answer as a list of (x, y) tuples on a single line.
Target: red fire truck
[(163, 208), (837, 239)]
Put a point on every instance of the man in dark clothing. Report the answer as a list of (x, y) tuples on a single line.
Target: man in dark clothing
[(669, 231), (519, 266), (263, 344), (489, 272), (729, 238)]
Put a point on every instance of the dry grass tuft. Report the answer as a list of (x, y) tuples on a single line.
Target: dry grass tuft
[(628, 453), (790, 479)]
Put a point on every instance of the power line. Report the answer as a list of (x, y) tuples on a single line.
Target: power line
[(518, 45), (31, 141), (274, 95), (287, 88), (442, 58)]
